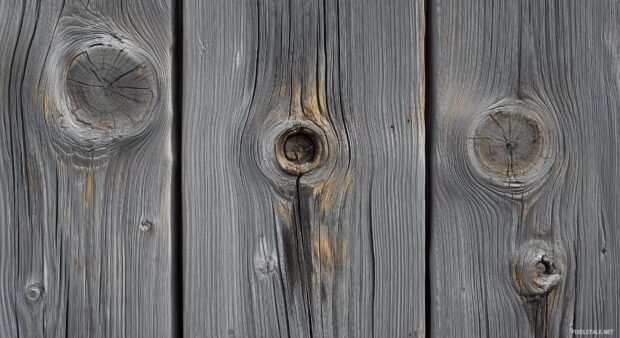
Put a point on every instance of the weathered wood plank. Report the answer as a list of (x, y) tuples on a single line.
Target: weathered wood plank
[(85, 176), (303, 169), (10, 171), (525, 162), (382, 75)]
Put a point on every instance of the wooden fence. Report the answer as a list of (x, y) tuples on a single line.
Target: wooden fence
[(300, 168)]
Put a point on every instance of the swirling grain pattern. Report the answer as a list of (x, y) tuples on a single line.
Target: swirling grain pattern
[(303, 177), (524, 242), (86, 169)]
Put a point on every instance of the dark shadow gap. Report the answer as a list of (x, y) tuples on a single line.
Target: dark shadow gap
[(177, 181), (429, 108), (305, 267)]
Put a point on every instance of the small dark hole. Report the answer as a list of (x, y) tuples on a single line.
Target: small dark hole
[(510, 145), (545, 266), (604, 250), (299, 148)]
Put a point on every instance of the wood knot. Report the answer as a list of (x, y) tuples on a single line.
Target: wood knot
[(511, 147), (299, 150), (265, 259), (102, 95), (109, 87), (34, 292), (146, 225), (537, 268), (509, 144)]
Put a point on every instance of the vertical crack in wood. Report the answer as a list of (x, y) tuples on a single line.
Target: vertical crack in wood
[(305, 262), (520, 34), (372, 257), (280, 272)]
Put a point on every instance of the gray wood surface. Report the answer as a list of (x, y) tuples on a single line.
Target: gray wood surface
[(85, 168), (525, 163), (303, 193), (303, 169)]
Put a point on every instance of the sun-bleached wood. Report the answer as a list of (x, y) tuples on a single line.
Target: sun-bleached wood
[(86, 169), (525, 165), (303, 169)]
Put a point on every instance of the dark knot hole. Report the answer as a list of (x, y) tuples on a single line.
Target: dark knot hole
[(299, 148), (546, 267)]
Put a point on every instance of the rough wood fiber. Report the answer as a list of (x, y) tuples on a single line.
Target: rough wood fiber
[(525, 167), (303, 169), (85, 170)]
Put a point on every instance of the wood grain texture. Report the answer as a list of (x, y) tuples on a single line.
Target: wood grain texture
[(525, 162), (303, 169), (86, 169)]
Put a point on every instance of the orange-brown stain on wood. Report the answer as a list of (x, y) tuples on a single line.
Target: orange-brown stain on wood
[(306, 104), (455, 102), (46, 105), (313, 104), (88, 186), (344, 249), (526, 206), (32, 181), (295, 101), (322, 251), (326, 191), (325, 194), (551, 300), (282, 210), (515, 279), (283, 89)]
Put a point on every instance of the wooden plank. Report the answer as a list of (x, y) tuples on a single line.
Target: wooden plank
[(303, 169), (86, 169), (10, 170), (525, 167)]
